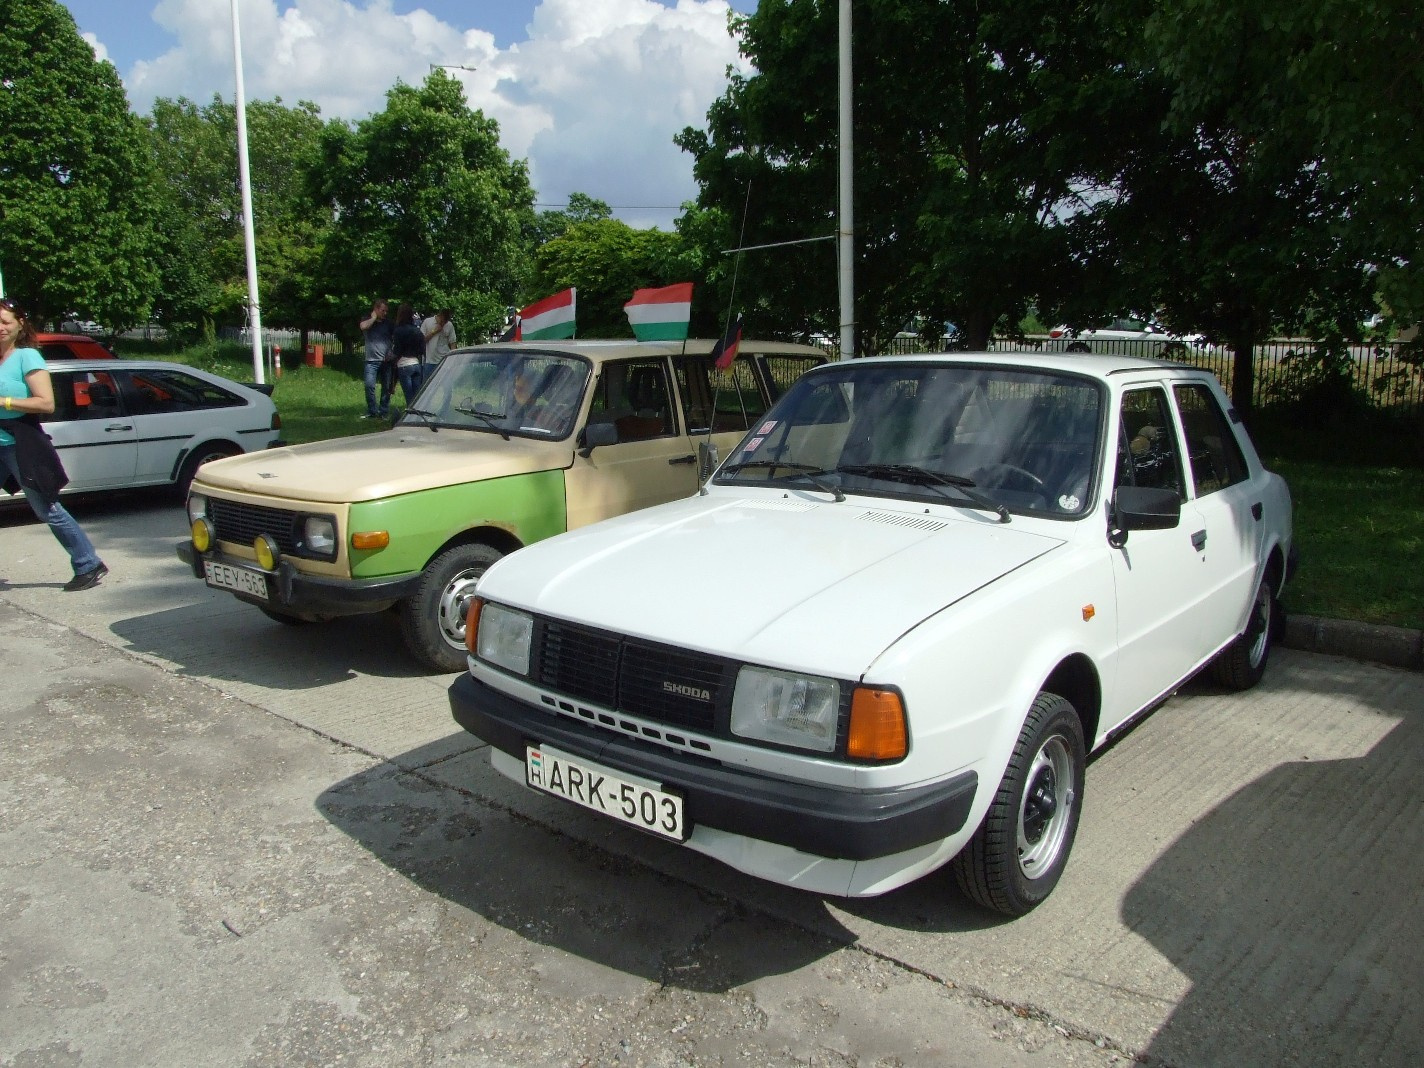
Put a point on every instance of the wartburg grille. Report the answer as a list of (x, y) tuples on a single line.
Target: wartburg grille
[(657, 682), (241, 523)]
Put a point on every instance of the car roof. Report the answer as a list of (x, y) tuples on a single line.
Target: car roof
[(1092, 364), (601, 349)]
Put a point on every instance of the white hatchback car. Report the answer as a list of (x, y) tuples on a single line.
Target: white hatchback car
[(121, 424), (888, 630), (1126, 336)]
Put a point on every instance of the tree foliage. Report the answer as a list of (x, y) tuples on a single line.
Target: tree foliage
[(425, 206), (77, 231)]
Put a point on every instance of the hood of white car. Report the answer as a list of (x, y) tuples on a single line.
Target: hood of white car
[(404, 460), (780, 581)]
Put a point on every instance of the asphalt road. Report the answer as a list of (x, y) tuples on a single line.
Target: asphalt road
[(226, 841)]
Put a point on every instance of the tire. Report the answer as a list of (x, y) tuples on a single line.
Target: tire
[(433, 617), (213, 450), (1017, 855), (1078, 346), (1242, 663)]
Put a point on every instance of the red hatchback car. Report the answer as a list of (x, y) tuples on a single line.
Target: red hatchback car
[(71, 347)]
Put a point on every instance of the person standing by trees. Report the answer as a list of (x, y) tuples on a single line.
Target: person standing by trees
[(407, 349), (439, 334), (27, 459), (379, 331)]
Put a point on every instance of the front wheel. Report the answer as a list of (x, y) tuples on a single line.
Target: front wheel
[(1242, 663), (1015, 858), (199, 456), (433, 617)]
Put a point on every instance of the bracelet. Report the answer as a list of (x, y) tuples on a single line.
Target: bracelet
[(7, 404)]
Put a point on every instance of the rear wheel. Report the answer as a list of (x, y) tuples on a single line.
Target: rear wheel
[(213, 450), (1242, 663), (1017, 855), (433, 617), (1078, 346)]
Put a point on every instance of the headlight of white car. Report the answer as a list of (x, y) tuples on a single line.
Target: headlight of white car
[(197, 507), (788, 709), (319, 535), (504, 637)]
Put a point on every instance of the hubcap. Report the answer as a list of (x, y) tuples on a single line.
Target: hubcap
[(454, 604), (1046, 808), (1259, 629)]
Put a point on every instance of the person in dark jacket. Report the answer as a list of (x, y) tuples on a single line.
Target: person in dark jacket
[(408, 350), (28, 461)]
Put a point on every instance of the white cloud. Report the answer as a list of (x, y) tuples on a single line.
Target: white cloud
[(592, 98), (100, 52)]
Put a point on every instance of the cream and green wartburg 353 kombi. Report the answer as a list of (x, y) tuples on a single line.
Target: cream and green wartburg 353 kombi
[(506, 444)]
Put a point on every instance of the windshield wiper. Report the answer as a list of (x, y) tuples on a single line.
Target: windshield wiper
[(810, 472), (429, 418), (912, 474), (490, 419)]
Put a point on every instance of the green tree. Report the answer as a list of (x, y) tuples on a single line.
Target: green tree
[(426, 207), (976, 133), (606, 259), (77, 231), (556, 221)]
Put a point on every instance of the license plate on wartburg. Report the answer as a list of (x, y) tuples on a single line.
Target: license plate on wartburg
[(238, 579), (643, 804)]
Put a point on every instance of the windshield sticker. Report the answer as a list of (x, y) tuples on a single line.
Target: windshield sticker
[(753, 444), (1069, 502), (767, 427)]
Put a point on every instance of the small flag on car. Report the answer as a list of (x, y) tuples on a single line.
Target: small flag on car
[(660, 314), (725, 351), (548, 319)]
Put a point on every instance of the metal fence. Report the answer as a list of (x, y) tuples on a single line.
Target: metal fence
[(1286, 369)]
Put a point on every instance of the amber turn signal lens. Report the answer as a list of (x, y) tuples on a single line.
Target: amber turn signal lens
[(202, 535), (371, 539), (877, 725), (472, 623)]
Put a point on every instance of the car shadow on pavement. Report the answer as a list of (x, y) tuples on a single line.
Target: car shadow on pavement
[(1295, 907), (598, 900)]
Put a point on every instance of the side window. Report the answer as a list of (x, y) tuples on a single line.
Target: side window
[(781, 371), (1215, 455), (156, 390), (84, 395), (634, 396), (721, 401), (1148, 452)]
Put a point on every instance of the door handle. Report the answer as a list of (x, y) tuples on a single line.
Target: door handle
[(1199, 540), (683, 460), (117, 427), (1256, 511)]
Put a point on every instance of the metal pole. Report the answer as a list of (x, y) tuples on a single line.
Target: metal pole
[(846, 246), (254, 311)]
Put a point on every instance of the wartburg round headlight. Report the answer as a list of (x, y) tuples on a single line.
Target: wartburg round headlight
[(504, 638), (788, 709)]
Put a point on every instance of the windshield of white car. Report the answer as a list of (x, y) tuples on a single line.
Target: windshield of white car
[(530, 394), (1003, 438)]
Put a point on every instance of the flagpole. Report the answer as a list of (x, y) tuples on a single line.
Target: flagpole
[(846, 228), (254, 310)]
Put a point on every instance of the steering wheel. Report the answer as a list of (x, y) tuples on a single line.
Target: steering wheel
[(1010, 469)]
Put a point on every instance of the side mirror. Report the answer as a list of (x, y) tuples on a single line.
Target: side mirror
[(596, 434), (1142, 508)]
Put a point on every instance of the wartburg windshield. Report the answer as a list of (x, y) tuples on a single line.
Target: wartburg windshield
[(534, 394), (1024, 441)]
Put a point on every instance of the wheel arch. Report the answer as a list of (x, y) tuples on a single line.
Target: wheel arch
[(1075, 679), (497, 538), (231, 447)]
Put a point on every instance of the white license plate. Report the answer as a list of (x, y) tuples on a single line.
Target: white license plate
[(240, 579), (636, 801)]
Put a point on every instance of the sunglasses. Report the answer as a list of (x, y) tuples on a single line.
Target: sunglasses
[(14, 307)]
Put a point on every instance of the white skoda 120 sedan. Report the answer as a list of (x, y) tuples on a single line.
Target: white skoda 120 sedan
[(889, 629)]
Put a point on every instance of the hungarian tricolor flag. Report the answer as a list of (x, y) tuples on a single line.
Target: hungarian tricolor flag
[(660, 314), (548, 319), (725, 351)]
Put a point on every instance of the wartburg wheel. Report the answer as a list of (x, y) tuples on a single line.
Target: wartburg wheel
[(1015, 858), (1242, 663), (433, 617)]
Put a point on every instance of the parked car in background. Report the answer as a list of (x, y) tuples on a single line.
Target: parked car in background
[(72, 347), (890, 628), (121, 424), (1127, 336), (505, 445)]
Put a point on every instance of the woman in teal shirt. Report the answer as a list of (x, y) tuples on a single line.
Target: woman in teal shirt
[(25, 390)]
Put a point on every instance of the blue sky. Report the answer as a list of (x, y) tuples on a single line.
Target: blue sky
[(590, 92)]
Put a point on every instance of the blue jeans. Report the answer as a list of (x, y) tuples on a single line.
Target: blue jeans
[(410, 379), (373, 377), (67, 532)]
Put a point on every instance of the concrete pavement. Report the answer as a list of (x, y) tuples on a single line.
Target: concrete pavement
[(1245, 887)]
